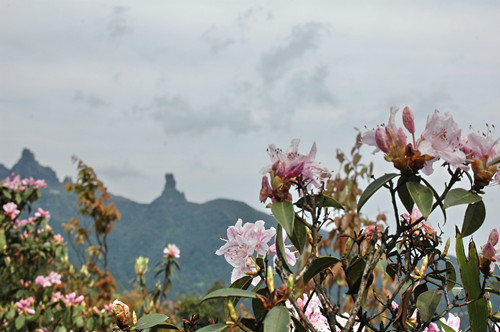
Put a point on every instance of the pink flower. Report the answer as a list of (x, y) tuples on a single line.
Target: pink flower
[(54, 278), (71, 299), (58, 238), (409, 119), (171, 251), (10, 210), (36, 184), (13, 182), (441, 139), (390, 138), (291, 164), (42, 214), (453, 322), (43, 281), (242, 242), (55, 297), (23, 306), (312, 312), (416, 215), (491, 250), (479, 146)]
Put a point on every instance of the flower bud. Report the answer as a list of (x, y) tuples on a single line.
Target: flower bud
[(409, 119), (121, 313), (232, 311), (493, 238), (488, 251), (270, 279), (141, 265), (382, 140)]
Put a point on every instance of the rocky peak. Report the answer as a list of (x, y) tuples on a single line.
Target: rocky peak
[(28, 166), (170, 193)]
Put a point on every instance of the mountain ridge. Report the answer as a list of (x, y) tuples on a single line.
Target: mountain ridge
[(146, 228)]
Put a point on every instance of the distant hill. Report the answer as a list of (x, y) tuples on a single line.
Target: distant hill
[(145, 229)]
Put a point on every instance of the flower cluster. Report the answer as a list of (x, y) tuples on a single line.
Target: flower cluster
[(244, 240), (285, 169), (171, 251), (14, 182), (53, 278), (441, 139)]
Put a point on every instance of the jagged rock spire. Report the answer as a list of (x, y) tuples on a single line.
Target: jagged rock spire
[(170, 193)]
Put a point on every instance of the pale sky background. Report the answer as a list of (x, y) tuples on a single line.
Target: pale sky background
[(137, 89)]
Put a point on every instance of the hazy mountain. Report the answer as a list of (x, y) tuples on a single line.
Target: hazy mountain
[(145, 229)]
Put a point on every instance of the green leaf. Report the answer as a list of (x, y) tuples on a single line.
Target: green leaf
[(422, 196), (373, 187), (446, 328), (436, 196), (459, 196), (20, 321), (494, 161), (299, 235), (152, 320), (3, 240), (473, 218), (242, 283), (229, 292), (493, 286), (318, 265), (427, 304), (319, 200), (284, 214), (469, 271), (451, 275), (277, 320), (403, 193), (213, 328), (280, 249), (298, 327)]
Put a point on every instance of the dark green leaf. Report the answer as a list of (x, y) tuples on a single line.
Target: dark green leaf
[(3, 240), (373, 187), (280, 249), (277, 320), (474, 218), (20, 321), (427, 304), (422, 196), (284, 214), (459, 196), (451, 275), (151, 320), (493, 286), (299, 235), (318, 201), (436, 197), (298, 327), (229, 292), (242, 283), (446, 328), (403, 193), (213, 328), (318, 265), (469, 271)]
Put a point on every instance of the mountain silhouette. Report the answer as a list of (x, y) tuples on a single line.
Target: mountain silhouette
[(145, 229)]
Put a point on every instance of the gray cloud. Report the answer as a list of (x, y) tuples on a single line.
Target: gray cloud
[(89, 100), (311, 88), (120, 172), (118, 25), (276, 63), (216, 42)]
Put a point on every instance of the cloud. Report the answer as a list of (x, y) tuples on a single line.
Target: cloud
[(120, 172), (118, 26), (89, 100), (311, 88), (276, 63), (216, 43)]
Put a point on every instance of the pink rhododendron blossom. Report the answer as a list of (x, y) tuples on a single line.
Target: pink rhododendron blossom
[(452, 322), (35, 184), (58, 238), (10, 210), (171, 251), (243, 240), (13, 182), (416, 215), (442, 139), (293, 164), (491, 250), (71, 299), (24, 306), (42, 214), (390, 138), (312, 312), (409, 119), (42, 281), (56, 297), (54, 278)]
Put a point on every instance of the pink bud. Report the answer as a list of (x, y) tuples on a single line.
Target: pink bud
[(382, 139), (489, 251), (493, 238), (409, 119)]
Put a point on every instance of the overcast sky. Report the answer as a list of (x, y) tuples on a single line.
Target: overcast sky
[(137, 89)]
